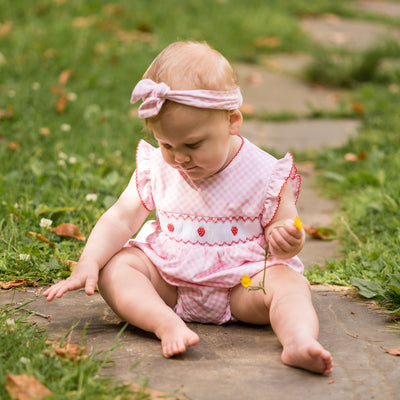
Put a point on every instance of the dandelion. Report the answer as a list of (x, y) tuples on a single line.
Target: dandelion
[(297, 223), (24, 257), (245, 281), (45, 223), (91, 197)]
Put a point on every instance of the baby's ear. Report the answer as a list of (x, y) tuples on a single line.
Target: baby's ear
[(235, 122)]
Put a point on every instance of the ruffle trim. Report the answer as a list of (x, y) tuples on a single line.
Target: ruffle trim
[(284, 170), (142, 174)]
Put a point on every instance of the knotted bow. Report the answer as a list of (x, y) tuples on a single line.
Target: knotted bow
[(154, 95)]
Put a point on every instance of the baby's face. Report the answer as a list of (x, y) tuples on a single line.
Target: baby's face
[(197, 142)]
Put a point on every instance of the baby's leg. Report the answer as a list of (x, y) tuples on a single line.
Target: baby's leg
[(288, 307), (134, 289)]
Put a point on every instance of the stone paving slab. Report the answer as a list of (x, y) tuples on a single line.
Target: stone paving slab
[(387, 8), (300, 135), (352, 34), (275, 93), (240, 361)]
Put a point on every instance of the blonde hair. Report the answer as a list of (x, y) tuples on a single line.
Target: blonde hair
[(190, 65)]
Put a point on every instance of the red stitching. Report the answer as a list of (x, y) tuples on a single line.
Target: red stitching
[(216, 244), (216, 220)]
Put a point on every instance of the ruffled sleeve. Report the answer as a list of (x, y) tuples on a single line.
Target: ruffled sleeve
[(283, 170), (144, 152)]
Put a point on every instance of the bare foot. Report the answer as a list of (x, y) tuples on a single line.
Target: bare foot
[(176, 337), (309, 355)]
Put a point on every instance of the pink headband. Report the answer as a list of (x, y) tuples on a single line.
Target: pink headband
[(154, 95)]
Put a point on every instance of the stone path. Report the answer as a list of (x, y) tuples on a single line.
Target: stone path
[(243, 362)]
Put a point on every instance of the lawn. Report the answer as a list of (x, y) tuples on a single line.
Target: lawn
[(68, 134)]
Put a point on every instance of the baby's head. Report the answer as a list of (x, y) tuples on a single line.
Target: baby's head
[(192, 65)]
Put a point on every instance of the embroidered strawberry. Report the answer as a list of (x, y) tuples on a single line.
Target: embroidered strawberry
[(234, 230), (170, 227), (201, 231)]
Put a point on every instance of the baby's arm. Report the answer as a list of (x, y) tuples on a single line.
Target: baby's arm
[(285, 240), (115, 227)]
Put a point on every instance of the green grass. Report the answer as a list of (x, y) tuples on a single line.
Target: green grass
[(23, 350), (50, 161)]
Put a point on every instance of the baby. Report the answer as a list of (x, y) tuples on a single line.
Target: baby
[(219, 201)]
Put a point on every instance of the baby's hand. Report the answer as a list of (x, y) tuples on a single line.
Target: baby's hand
[(84, 275), (286, 240)]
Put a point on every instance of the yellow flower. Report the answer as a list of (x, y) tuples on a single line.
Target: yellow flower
[(246, 281), (297, 223)]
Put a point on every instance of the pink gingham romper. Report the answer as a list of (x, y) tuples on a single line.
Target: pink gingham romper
[(209, 233)]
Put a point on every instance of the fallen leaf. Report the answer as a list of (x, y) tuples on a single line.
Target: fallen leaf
[(70, 351), (71, 264), (42, 238), (44, 131), (17, 283), (5, 114), (64, 77), (362, 155), (14, 145), (153, 394), (61, 103), (26, 387), (320, 233), (393, 352), (358, 108), (68, 230), (84, 22), (5, 28), (269, 42)]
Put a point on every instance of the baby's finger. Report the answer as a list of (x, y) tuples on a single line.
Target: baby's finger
[(90, 285)]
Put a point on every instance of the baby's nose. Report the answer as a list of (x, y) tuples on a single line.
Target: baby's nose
[(181, 157)]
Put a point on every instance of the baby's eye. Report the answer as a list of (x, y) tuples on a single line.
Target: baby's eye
[(193, 145), (166, 146)]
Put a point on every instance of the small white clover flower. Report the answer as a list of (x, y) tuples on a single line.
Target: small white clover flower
[(72, 96), (91, 197), (62, 155), (24, 257), (35, 86), (45, 223), (62, 163), (65, 127), (12, 93), (24, 360), (72, 160), (10, 324)]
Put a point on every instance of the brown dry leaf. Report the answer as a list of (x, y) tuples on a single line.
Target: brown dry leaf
[(44, 131), (5, 114), (68, 230), (84, 22), (320, 232), (358, 108), (42, 238), (71, 351), (113, 9), (5, 28), (71, 264), (26, 387), (269, 42), (14, 145), (135, 36), (362, 155), (64, 77), (61, 103), (393, 352), (154, 394), (17, 283)]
